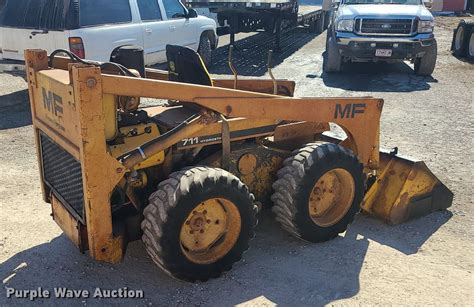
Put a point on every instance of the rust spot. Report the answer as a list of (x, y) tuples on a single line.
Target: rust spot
[(404, 199), (412, 175), (91, 83), (380, 104), (403, 176)]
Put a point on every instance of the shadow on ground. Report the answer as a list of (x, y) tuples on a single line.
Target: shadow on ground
[(15, 110), (277, 267), (250, 54), (377, 77)]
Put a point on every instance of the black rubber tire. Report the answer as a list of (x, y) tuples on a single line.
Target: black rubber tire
[(270, 26), (320, 23), (296, 180), (333, 59), (426, 65), (205, 49), (312, 26), (327, 19), (171, 204), (470, 46), (460, 39)]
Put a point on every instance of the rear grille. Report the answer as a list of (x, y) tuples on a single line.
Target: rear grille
[(386, 26), (63, 174)]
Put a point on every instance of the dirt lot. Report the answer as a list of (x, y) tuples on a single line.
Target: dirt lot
[(427, 261)]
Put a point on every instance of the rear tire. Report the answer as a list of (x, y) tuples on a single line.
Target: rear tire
[(470, 47), (205, 206), (305, 205), (205, 49), (426, 65), (460, 39), (333, 59)]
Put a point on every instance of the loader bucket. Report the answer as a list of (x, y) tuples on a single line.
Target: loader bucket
[(405, 189)]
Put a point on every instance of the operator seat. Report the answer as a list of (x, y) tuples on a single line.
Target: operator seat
[(186, 66)]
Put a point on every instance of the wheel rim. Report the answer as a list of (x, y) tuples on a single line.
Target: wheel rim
[(459, 38), (331, 197), (210, 230), (471, 45)]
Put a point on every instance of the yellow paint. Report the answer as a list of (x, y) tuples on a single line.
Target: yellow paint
[(398, 183)]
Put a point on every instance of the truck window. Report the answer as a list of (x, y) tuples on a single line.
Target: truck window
[(149, 10), (174, 9), (44, 15), (101, 12)]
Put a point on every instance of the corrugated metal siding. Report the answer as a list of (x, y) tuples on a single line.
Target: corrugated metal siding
[(454, 5), (449, 5)]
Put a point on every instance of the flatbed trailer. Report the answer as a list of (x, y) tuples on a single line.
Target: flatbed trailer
[(272, 16)]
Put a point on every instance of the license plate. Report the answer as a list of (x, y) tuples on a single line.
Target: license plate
[(383, 52)]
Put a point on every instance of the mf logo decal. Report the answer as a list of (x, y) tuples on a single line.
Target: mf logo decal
[(52, 102), (349, 110)]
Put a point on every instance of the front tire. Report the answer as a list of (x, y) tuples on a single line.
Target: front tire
[(199, 223), (425, 66), (318, 191), (205, 49), (333, 59)]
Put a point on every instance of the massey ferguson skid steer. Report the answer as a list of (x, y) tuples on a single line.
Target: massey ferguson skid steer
[(189, 177)]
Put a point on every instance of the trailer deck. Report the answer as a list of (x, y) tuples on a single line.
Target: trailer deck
[(271, 16)]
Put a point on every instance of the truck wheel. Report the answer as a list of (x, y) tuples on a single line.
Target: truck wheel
[(460, 40), (199, 223), (470, 47), (320, 23), (318, 191), (205, 49), (333, 59), (425, 66)]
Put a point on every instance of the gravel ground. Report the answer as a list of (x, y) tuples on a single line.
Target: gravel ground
[(426, 261)]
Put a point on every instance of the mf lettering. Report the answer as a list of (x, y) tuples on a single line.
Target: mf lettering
[(53, 103), (349, 110)]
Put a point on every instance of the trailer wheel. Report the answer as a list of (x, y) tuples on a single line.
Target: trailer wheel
[(320, 23), (460, 39), (470, 47), (205, 49), (318, 191), (199, 223), (425, 65), (332, 59)]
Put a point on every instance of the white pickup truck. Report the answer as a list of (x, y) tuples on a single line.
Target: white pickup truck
[(381, 30), (95, 28)]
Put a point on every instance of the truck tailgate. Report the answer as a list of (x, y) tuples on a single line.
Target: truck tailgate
[(14, 41)]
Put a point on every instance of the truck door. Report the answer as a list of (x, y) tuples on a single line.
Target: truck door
[(155, 31), (183, 31)]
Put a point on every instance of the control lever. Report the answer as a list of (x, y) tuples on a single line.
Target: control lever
[(269, 65), (231, 65)]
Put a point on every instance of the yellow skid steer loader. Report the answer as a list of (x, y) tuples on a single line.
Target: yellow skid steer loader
[(189, 176)]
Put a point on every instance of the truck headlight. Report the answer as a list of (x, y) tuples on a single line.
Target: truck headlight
[(425, 26), (345, 25)]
